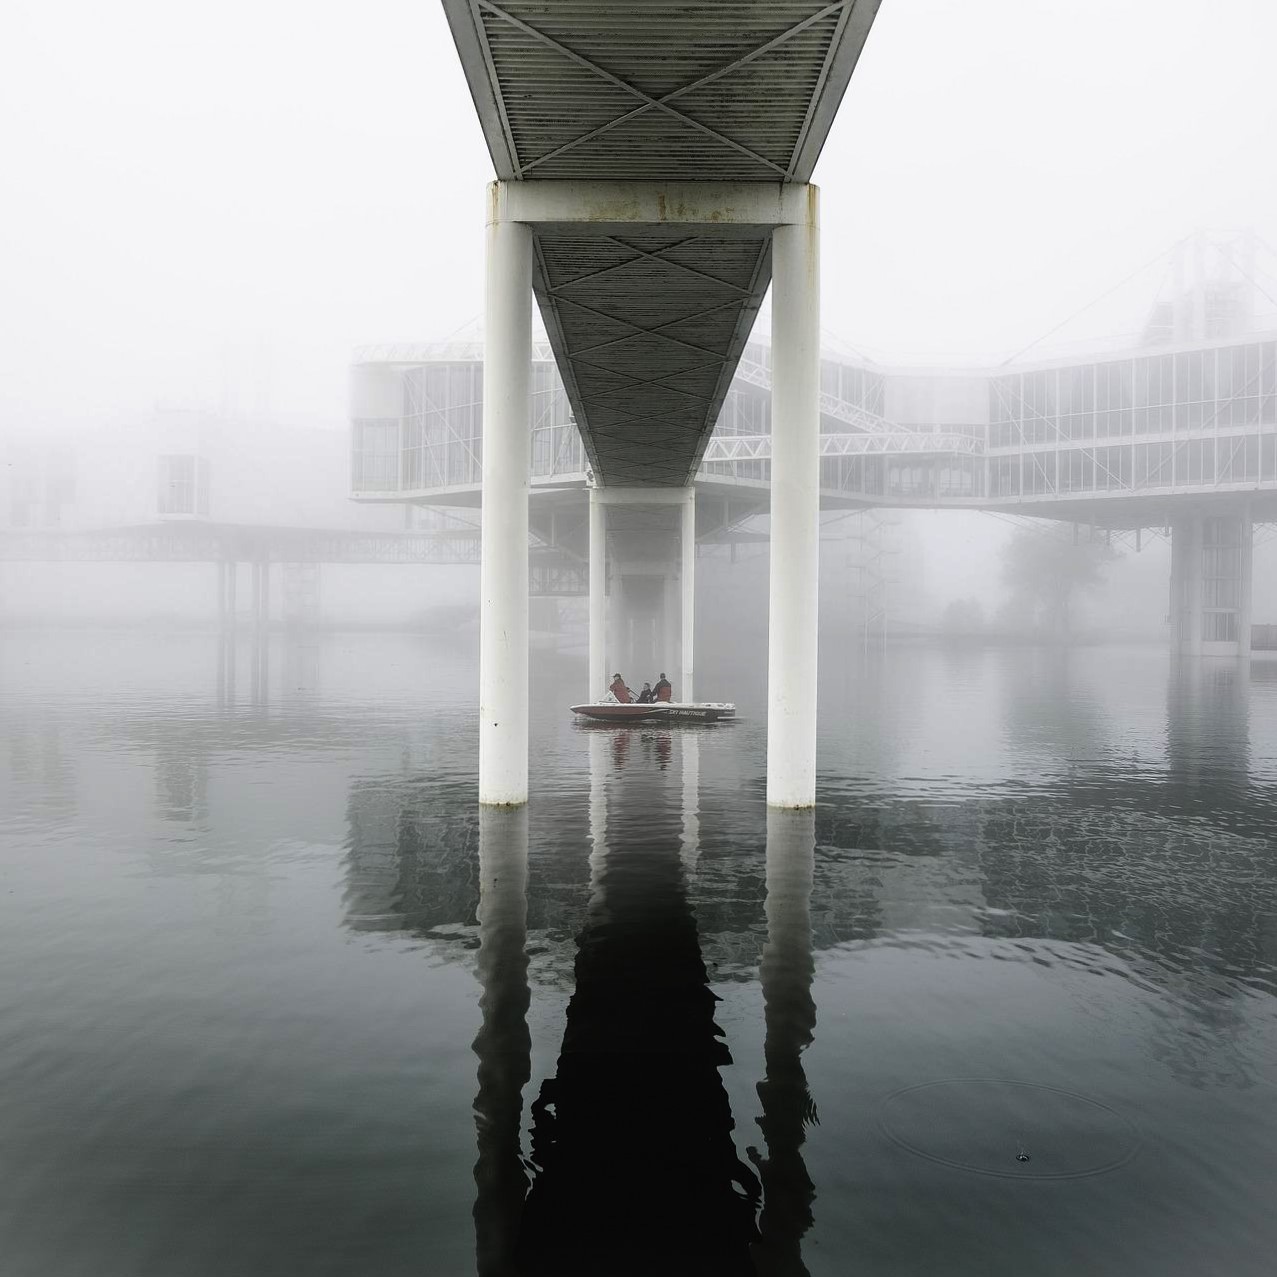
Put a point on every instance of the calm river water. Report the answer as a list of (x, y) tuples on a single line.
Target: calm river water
[(277, 999)]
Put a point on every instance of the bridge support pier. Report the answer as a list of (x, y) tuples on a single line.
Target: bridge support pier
[(795, 516), (598, 597), (227, 573), (507, 464), (645, 624), (1211, 582), (687, 605), (261, 594)]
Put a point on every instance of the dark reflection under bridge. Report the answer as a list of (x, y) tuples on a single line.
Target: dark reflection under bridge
[(632, 897), (634, 1164), (633, 1167)]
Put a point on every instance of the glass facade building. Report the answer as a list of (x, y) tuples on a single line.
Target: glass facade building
[(1153, 422)]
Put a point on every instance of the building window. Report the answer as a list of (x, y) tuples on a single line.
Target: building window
[(1219, 627), (375, 459), (183, 486)]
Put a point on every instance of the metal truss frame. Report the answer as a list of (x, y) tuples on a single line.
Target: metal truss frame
[(730, 448), (756, 373)]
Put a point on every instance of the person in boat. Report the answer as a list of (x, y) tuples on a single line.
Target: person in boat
[(646, 696), (663, 691), (618, 689)]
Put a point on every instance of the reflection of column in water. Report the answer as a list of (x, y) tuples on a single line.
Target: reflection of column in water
[(503, 1044), (691, 839), (227, 573), (1208, 723), (298, 665), (261, 668), (790, 1018), (226, 669), (635, 1168), (598, 800), (261, 633)]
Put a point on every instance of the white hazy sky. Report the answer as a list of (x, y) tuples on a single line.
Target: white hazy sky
[(261, 184)]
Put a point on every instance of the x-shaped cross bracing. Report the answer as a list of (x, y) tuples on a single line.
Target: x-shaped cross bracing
[(580, 355), (661, 104)]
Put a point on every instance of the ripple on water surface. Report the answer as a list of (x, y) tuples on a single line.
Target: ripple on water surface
[(266, 1013)]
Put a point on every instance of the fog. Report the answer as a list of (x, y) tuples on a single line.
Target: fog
[(206, 212), (335, 946)]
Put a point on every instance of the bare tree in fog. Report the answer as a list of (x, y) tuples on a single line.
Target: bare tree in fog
[(1044, 571)]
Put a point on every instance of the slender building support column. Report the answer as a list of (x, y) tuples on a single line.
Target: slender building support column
[(255, 589), (507, 462), (795, 515), (598, 597), (671, 646), (1247, 570), (1175, 606), (1191, 585), (687, 612)]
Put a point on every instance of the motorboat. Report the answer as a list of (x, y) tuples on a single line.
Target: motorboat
[(613, 711)]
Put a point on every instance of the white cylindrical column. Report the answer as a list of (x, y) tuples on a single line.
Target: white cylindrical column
[(598, 597), (1196, 625), (795, 515), (687, 612), (1246, 569), (1186, 584), (507, 462)]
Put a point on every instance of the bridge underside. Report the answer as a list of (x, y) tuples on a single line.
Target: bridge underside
[(653, 161), (648, 305), (1128, 512), (647, 326)]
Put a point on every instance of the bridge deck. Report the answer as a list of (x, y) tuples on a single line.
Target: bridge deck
[(647, 325)]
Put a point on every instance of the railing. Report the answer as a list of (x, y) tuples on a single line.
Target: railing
[(557, 451), (729, 448), (380, 466), (758, 374), (1263, 638), (427, 352)]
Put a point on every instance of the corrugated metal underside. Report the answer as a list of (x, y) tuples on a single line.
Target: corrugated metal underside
[(647, 324), (725, 90)]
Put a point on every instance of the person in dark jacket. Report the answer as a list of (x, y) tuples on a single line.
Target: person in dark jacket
[(620, 691), (663, 691), (645, 697)]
